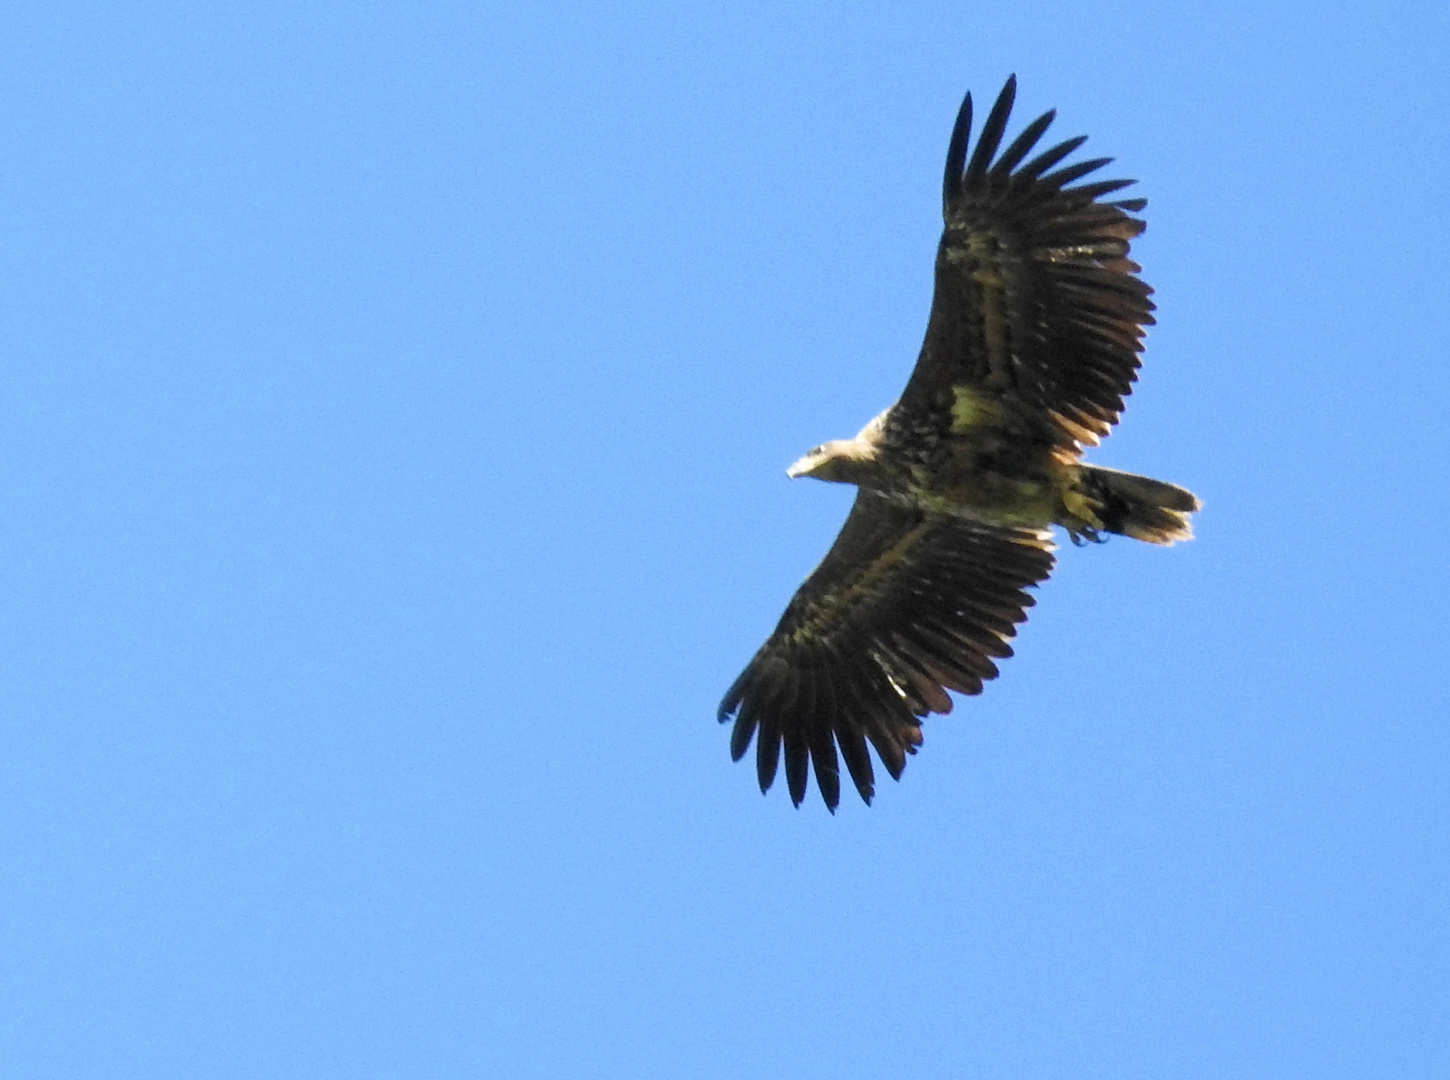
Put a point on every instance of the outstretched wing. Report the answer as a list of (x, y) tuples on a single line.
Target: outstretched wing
[(905, 606), (1038, 316)]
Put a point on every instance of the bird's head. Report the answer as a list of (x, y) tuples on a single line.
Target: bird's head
[(840, 460)]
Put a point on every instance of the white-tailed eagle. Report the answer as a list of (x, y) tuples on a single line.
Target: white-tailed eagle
[(1036, 325)]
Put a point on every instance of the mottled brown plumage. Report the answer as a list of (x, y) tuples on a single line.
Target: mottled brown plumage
[(1036, 325)]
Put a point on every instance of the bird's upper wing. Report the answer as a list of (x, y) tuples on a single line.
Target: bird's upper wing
[(905, 606), (1038, 314)]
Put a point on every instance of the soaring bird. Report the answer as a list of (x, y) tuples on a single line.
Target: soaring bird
[(1036, 324)]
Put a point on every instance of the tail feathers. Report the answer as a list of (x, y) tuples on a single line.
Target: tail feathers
[(1138, 506)]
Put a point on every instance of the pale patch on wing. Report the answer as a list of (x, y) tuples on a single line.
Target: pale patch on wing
[(972, 409)]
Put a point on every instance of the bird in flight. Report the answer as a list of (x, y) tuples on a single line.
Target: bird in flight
[(1036, 324)]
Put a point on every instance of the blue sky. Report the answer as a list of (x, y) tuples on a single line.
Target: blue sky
[(394, 409)]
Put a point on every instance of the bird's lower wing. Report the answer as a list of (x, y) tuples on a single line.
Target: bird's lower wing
[(905, 606)]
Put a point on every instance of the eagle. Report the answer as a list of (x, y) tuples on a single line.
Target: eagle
[(1037, 321)]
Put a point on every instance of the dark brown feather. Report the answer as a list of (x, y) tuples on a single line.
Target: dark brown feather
[(957, 154), (904, 607), (1073, 311), (1022, 145), (991, 136)]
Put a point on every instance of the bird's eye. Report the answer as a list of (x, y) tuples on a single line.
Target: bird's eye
[(817, 449)]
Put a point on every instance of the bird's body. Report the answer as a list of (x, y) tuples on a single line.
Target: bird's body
[(1032, 345)]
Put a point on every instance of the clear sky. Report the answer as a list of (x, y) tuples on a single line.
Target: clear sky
[(394, 407)]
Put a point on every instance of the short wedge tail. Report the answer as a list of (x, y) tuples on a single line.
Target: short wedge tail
[(1138, 506)]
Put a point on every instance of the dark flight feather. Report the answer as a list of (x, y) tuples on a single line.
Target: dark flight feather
[(1073, 311), (991, 135), (1023, 144), (893, 576), (957, 155)]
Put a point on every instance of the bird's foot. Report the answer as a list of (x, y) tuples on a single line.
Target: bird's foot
[(1082, 521)]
